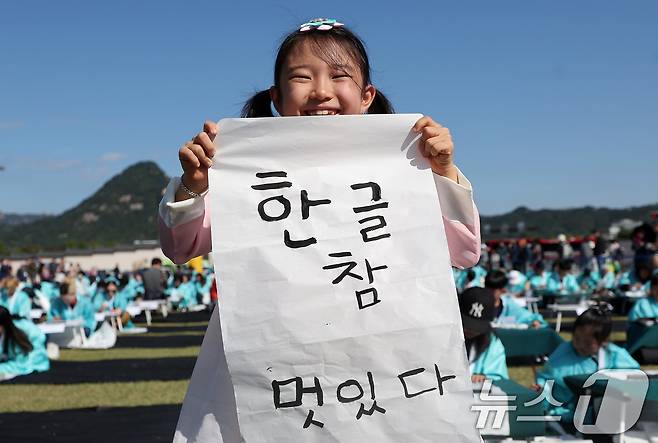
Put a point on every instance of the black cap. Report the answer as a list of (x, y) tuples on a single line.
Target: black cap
[(477, 309)]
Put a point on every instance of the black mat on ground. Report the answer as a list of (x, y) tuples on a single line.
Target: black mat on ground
[(65, 372), (125, 425), (179, 317), (170, 341)]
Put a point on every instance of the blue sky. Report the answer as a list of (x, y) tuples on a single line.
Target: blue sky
[(551, 103)]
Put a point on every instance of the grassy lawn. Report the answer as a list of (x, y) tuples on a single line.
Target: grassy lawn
[(39, 398), (126, 353)]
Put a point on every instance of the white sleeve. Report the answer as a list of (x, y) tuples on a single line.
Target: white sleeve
[(456, 198), (175, 213)]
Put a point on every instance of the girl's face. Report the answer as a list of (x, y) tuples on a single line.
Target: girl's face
[(584, 342), (309, 86)]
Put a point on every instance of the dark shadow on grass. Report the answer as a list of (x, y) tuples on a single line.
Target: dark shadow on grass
[(104, 371), (179, 317), (170, 341), (125, 425)]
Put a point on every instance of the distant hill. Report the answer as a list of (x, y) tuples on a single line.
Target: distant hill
[(121, 211), (18, 219), (548, 223), (125, 208)]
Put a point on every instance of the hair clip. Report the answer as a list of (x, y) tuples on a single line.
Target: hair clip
[(320, 24)]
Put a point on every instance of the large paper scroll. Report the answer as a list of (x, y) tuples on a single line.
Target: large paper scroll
[(339, 315)]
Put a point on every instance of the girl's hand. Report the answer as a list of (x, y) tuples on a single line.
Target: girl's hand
[(436, 145), (195, 159), (478, 378)]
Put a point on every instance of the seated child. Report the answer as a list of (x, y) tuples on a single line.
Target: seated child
[(14, 299), (202, 285), (647, 307), (108, 298), (563, 281), (71, 307), (486, 354), (636, 280), (22, 346), (505, 307), (588, 352)]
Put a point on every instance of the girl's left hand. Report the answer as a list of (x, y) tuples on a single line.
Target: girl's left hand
[(478, 378), (436, 145)]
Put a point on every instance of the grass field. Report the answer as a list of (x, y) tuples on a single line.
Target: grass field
[(39, 397)]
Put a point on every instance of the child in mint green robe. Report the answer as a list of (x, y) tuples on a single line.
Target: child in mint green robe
[(646, 307), (485, 351), (491, 362), (18, 304), (14, 299), (22, 347), (71, 307), (506, 310), (588, 352)]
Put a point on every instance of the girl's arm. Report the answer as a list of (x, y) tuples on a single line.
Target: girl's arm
[(460, 219), (184, 225)]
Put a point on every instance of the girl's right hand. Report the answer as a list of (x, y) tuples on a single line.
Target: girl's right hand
[(195, 159)]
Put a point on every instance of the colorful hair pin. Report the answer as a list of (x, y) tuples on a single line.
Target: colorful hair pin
[(320, 24)]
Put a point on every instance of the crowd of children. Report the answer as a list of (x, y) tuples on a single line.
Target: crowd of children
[(51, 293), (487, 297), (500, 296)]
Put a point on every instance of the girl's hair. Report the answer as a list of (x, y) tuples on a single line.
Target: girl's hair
[(13, 335), (599, 318), (480, 343), (329, 46)]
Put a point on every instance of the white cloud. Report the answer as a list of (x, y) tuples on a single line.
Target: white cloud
[(112, 156)]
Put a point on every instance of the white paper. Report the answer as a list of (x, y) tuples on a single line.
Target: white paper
[(281, 316)]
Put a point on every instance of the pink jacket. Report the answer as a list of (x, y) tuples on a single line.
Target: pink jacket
[(185, 226)]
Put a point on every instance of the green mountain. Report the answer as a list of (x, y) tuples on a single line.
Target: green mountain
[(122, 211), (548, 223)]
